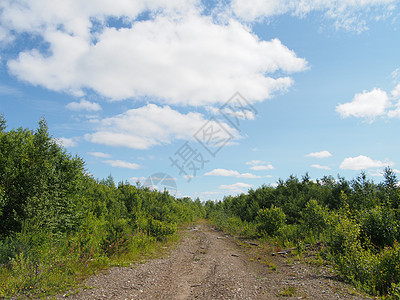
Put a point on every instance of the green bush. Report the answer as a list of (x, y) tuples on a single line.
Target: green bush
[(160, 230), (341, 230), (270, 220), (355, 263), (394, 292), (291, 233), (379, 225), (314, 217), (9, 248), (387, 271)]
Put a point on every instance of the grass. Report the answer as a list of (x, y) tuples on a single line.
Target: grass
[(273, 266), (290, 291), (51, 269)]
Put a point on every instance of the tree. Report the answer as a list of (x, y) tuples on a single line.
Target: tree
[(39, 180), (390, 187)]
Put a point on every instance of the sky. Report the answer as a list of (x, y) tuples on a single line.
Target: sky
[(208, 98)]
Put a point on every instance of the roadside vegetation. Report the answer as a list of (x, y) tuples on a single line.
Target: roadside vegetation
[(59, 224), (356, 221)]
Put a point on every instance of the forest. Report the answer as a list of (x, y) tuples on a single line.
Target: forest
[(356, 221), (59, 224)]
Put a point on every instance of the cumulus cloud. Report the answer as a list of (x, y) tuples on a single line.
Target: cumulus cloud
[(255, 162), (262, 167), (67, 142), (320, 154), (372, 104), (39, 16), (368, 104), (241, 114), (83, 105), (259, 165), (362, 162), (181, 58), (396, 91), (320, 167), (349, 15), (99, 154), (151, 125), (230, 173), (122, 164), (395, 113), (238, 187)]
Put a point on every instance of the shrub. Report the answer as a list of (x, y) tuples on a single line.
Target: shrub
[(314, 216), (290, 233), (270, 220), (341, 230), (355, 263), (160, 230), (387, 272), (379, 225)]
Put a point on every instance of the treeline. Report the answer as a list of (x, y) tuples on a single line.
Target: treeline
[(59, 224), (357, 221)]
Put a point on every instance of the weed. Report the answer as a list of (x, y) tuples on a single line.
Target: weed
[(290, 291)]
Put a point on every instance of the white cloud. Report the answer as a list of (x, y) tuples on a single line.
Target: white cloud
[(238, 187), (320, 154), (262, 167), (230, 173), (151, 125), (396, 91), (362, 162), (179, 56), (5, 37), (99, 154), (259, 165), (376, 173), (122, 164), (396, 75), (133, 180), (83, 105), (395, 113), (39, 16), (67, 142), (188, 177), (349, 15), (241, 114), (210, 193), (371, 104), (320, 167), (366, 105), (255, 162), (380, 173)]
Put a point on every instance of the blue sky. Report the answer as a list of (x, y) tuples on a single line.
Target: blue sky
[(132, 87)]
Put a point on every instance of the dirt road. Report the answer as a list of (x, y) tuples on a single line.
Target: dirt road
[(210, 265)]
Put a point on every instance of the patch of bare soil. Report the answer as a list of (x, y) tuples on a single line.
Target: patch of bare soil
[(210, 265)]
